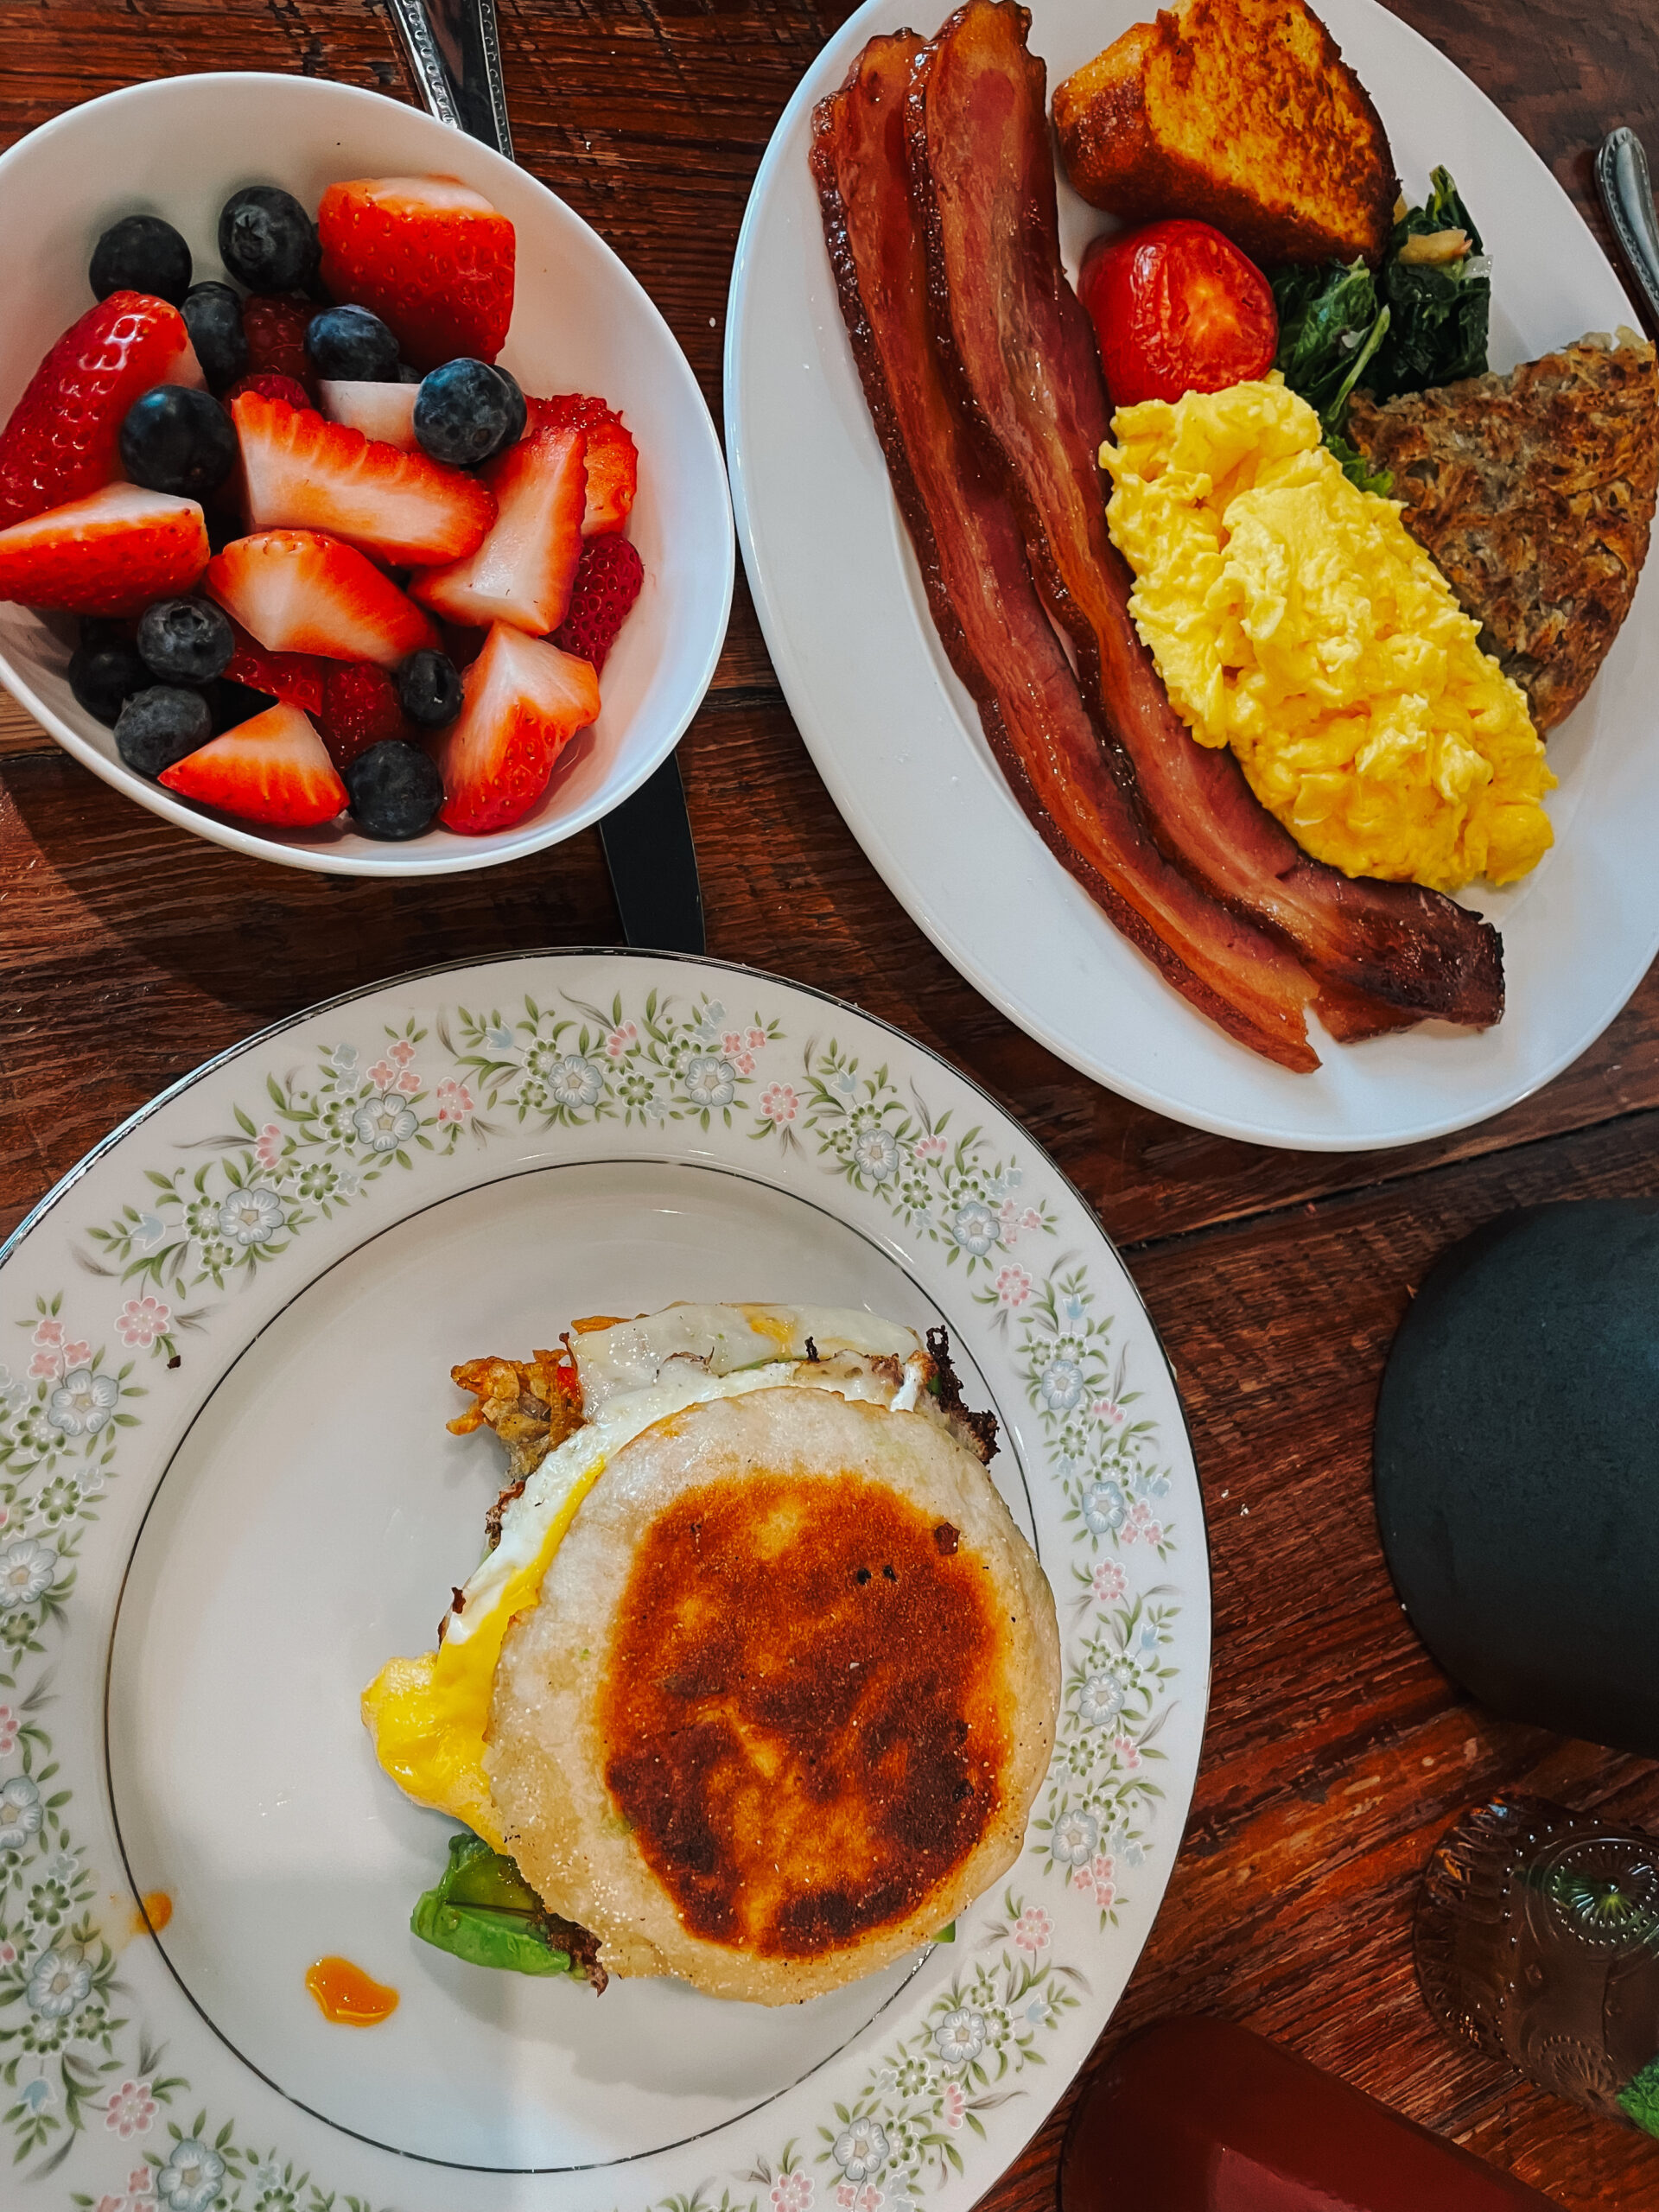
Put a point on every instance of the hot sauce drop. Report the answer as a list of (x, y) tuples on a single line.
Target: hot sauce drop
[(155, 1910), (348, 1996)]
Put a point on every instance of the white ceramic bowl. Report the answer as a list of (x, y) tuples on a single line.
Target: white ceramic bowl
[(179, 147)]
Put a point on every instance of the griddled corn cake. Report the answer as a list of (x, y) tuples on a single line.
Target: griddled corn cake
[(1241, 113), (1534, 493), (759, 1680)]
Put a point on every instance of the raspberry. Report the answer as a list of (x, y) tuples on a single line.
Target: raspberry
[(276, 329), (608, 577), (360, 708), (270, 385)]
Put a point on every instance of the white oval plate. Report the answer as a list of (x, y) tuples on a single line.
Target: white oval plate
[(898, 741), (228, 1494), (179, 147)]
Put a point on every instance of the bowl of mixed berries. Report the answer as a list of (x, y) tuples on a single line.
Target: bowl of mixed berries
[(364, 514)]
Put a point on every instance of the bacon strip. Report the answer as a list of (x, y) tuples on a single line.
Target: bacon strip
[(990, 618), (1019, 350)]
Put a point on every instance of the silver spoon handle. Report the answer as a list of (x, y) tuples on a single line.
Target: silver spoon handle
[(454, 50), (1627, 193)]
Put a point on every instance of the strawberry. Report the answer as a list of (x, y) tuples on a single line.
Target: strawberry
[(271, 769), (431, 257), (304, 472), (270, 385), (299, 592), (297, 677), (275, 326), (613, 457), (61, 441), (110, 553), (607, 584), (521, 572), (385, 412), (360, 708), (524, 702)]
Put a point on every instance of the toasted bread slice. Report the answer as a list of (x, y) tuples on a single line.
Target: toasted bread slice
[(1242, 113), (1535, 494)]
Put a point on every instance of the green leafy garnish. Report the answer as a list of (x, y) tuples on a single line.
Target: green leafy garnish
[(1328, 316), (1439, 310), (483, 1910)]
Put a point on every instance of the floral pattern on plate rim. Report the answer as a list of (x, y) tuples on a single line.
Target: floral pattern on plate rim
[(316, 1144)]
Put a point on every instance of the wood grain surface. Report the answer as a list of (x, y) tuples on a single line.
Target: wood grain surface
[(1336, 1750)]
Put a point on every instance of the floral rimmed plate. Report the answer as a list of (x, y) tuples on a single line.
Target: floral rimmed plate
[(228, 1494)]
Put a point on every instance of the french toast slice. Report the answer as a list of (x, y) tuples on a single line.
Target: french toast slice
[(1243, 114)]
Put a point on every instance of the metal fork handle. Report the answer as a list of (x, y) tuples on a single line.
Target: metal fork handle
[(454, 50), (1627, 194)]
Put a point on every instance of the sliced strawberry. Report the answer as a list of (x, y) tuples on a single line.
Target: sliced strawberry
[(524, 702), (360, 708), (613, 457), (431, 257), (521, 572), (270, 385), (110, 553), (275, 325), (61, 441), (305, 472), (299, 592), (297, 677), (385, 412), (274, 769), (607, 584)]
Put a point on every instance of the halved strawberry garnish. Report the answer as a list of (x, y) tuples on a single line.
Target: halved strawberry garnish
[(613, 458), (297, 677), (524, 702), (305, 472), (431, 257), (521, 572), (110, 553), (275, 325), (61, 441), (385, 412), (270, 385), (299, 592), (273, 769), (607, 584), (360, 708)]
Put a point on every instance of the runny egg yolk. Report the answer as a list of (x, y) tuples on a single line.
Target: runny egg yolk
[(1295, 618), (428, 1715)]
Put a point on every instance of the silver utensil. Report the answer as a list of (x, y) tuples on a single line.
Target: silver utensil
[(1627, 194), (455, 51)]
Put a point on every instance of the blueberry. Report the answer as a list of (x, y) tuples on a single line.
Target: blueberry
[(267, 240), (395, 789), (160, 726), (407, 375), (350, 346), (212, 315), (428, 684), (466, 411), (186, 640), (141, 253), (175, 439), (104, 674)]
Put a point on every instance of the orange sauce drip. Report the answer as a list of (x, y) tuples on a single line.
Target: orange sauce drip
[(348, 1996), (155, 1910)]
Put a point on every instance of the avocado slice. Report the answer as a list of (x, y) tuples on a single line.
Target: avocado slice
[(483, 1910)]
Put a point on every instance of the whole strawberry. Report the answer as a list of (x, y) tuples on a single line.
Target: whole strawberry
[(360, 708), (61, 441), (608, 577)]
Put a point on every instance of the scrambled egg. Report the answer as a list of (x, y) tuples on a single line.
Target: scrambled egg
[(1294, 618)]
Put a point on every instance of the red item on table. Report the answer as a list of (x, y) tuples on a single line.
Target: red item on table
[(1200, 2115), (1177, 308)]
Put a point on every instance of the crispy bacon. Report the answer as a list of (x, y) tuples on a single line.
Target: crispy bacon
[(1018, 349), (992, 623)]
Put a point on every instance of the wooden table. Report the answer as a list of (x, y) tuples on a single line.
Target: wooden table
[(1336, 1749)]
